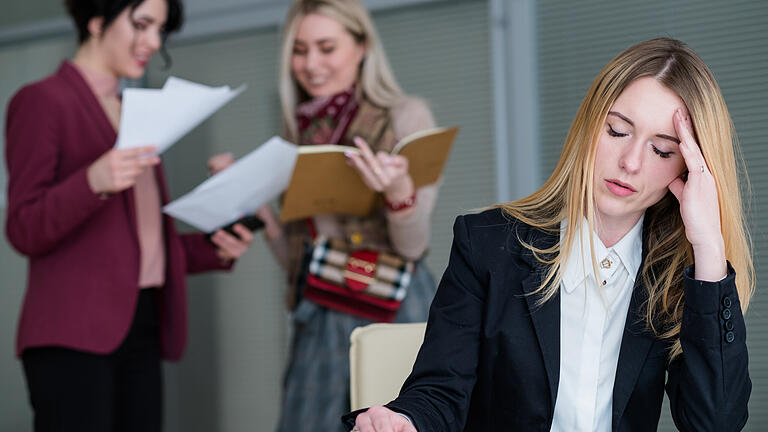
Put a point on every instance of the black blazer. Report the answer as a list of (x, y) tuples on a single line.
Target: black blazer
[(490, 360)]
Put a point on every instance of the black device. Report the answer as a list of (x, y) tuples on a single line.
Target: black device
[(251, 222)]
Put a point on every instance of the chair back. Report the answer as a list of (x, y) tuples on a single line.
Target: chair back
[(381, 357)]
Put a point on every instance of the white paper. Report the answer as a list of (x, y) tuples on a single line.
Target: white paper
[(252, 181), (160, 117)]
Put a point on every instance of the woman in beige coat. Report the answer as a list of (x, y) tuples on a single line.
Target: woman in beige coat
[(336, 87)]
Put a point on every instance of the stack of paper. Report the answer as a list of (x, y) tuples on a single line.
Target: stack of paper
[(252, 181), (161, 117)]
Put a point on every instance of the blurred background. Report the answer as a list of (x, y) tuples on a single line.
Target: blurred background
[(511, 73)]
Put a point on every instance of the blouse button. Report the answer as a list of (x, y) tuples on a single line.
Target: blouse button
[(726, 314), (728, 325), (729, 337), (727, 302)]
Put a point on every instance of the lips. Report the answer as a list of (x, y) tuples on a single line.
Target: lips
[(142, 59), (619, 188), (316, 82)]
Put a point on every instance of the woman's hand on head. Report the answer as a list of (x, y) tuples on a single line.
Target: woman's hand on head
[(117, 169), (699, 205), (381, 419), (382, 172), (232, 247), (219, 162)]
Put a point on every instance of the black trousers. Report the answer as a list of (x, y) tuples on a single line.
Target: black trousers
[(72, 390)]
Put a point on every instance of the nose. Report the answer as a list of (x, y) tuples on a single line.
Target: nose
[(312, 60), (154, 40), (632, 156)]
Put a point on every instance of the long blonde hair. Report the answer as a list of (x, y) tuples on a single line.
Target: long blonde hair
[(375, 78), (568, 194)]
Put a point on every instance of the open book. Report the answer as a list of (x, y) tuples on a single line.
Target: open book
[(322, 182)]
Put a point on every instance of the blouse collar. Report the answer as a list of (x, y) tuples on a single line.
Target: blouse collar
[(629, 250)]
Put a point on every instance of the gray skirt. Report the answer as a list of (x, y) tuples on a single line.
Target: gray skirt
[(316, 382)]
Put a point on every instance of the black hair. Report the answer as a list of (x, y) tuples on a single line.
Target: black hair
[(82, 11)]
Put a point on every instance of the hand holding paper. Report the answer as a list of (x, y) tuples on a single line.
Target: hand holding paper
[(117, 170)]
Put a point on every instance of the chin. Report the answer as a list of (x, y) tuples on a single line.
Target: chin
[(132, 72), (319, 93), (134, 75), (324, 91)]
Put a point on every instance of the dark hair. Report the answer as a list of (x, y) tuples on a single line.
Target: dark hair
[(82, 11)]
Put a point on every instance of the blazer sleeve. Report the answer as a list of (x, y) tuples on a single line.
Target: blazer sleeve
[(437, 394), (200, 254), (42, 208), (708, 384)]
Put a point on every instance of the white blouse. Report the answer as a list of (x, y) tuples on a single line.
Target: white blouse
[(593, 311)]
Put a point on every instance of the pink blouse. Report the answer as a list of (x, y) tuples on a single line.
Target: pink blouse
[(146, 193)]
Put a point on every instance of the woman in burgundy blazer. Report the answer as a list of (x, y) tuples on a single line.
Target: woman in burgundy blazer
[(72, 210)]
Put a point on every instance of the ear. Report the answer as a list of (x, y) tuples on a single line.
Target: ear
[(363, 46), (94, 26)]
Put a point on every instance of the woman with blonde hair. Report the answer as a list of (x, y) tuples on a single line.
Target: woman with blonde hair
[(336, 87), (566, 310)]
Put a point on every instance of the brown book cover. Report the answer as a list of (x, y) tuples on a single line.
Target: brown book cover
[(322, 182)]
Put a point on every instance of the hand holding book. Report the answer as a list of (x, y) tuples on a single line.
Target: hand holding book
[(382, 172), (322, 181)]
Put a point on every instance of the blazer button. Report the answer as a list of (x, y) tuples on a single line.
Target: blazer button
[(727, 302), (729, 337), (728, 325), (726, 314)]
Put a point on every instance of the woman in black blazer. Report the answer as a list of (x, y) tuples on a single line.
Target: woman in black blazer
[(568, 309)]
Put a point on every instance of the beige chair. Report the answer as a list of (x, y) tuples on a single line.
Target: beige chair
[(381, 357)]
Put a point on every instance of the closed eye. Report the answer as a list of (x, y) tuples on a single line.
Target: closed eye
[(139, 25), (613, 133), (327, 50), (663, 155)]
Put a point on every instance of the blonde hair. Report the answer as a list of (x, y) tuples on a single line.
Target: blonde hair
[(568, 194), (375, 78)]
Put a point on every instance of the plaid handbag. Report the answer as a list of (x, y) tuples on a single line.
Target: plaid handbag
[(364, 283)]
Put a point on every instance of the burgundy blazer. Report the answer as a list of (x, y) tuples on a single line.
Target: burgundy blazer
[(83, 251)]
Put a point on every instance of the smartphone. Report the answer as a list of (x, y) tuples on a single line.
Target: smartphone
[(251, 222)]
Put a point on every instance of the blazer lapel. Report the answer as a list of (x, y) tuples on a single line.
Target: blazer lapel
[(545, 317), (85, 95), (635, 344)]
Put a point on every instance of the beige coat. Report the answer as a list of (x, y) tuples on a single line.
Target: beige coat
[(407, 236)]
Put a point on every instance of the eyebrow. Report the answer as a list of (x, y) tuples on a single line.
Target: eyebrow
[(626, 119), (319, 41), (145, 17), (148, 18)]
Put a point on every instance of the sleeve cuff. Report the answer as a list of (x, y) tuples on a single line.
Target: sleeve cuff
[(406, 417), (705, 297)]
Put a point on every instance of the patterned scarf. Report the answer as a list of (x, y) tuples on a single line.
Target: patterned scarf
[(325, 120)]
